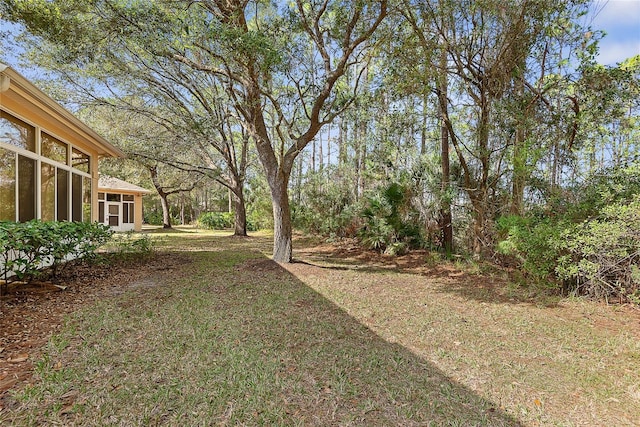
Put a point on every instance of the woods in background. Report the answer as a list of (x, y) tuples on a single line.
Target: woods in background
[(472, 127)]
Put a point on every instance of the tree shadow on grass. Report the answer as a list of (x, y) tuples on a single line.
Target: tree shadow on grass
[(247, 343), (333, 370)]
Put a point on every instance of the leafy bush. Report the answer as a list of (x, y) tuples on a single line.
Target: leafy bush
[(601, 257), (591, 246), (328, 208), (390, 219), (533, 242), (26, 248), (256, 222), (216, 220), (153, 217), (258, 203)]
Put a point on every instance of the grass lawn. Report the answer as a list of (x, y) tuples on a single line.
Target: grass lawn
[(227, 337)]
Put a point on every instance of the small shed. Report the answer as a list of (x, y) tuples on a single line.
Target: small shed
[(120, 204)]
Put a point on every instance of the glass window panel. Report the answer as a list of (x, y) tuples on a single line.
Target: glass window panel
[(26, 189), (101, 212), (76, 197), (113, 197), (127, 197), (125, 213), (100, 196), (15, 132), (54, 149), (79, 160), (113, 210), (113, 221), (48, 192), (131, 217), (62, 204), (7, 185), (86, 199)]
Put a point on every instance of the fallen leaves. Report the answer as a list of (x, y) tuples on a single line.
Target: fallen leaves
[(18, 358), (29, 314)]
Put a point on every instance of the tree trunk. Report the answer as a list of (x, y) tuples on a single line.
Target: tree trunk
[(182, 211), (320, 154), (166, 216), (282, 229), (329, 145), (298, 188), (445, 203), (313, 157), (361, 156), (342, 151), (240, 214), (519, 173), (478, 229), (446, 219)]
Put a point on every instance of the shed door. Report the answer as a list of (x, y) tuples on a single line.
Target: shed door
[(113, 214)]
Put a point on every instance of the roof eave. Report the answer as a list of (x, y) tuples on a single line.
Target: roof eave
[(105, 148)]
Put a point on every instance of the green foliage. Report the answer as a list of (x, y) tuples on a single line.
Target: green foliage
[(258, 202), (154, 217), (591, 246), (28, 247), (533, 242), (328, 209), (602, 255), (608, 187), (216, 220), (131, 245), (390, 221), (257, 222)]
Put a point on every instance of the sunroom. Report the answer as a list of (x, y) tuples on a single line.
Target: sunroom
[(48, 157)]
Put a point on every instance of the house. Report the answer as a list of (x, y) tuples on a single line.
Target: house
[(48, 157), (120, 204)]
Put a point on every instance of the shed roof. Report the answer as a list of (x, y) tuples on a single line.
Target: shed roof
[(109, 183)]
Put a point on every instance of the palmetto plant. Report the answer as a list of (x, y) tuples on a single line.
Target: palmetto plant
[(390, 219)]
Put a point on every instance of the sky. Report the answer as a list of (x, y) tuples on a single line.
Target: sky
[(620, 19)]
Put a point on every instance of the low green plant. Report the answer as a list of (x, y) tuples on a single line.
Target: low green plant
[(532, 242), (390, 222), (27, 248), (216, 220), (328, 208), (131, 245), (601, 257), (590, 246)]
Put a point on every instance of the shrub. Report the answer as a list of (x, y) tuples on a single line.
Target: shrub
[(257, 222), (591, 246), (216, 220), (533, 242), (390, 219), (328, 207), (602, 256), (26, 248)]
